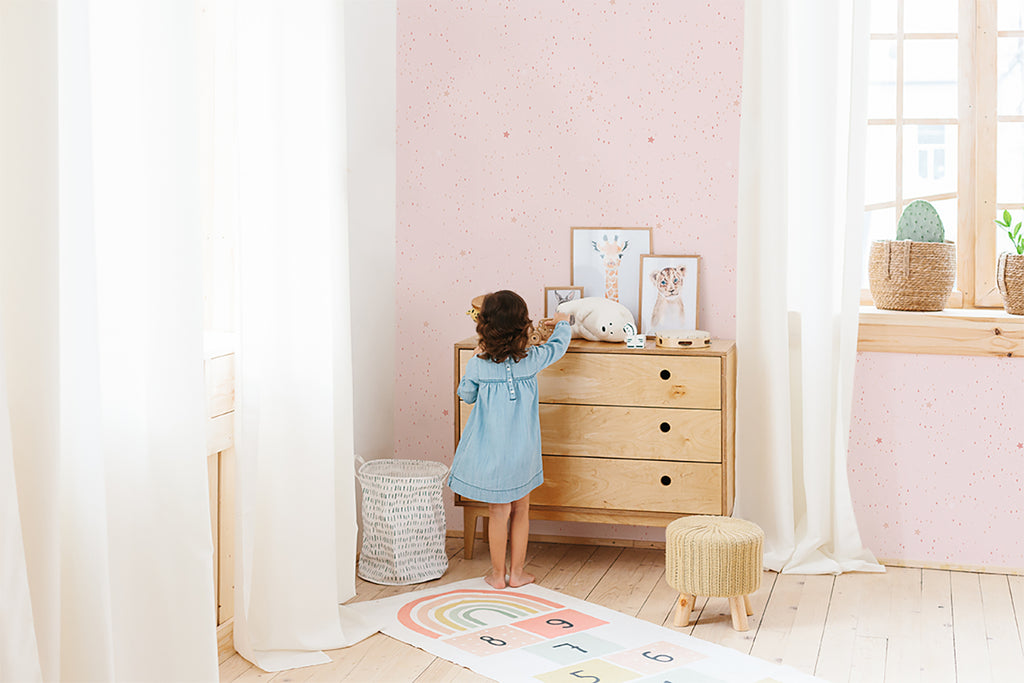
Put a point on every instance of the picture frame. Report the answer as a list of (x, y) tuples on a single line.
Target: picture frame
[(556, 295), (606, 263), (666, 304)]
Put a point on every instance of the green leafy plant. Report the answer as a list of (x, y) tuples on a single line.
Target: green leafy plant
[(1016, 236)]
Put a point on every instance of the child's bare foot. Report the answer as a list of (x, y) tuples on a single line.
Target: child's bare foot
[(517, 580), (495, 581)]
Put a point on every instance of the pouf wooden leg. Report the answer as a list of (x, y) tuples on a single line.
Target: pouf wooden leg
[(683, 609), (739, 613), (746, 603)]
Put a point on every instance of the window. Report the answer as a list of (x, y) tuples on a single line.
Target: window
[(946, 124)]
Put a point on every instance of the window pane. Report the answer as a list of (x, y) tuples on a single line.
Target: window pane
[(1011, 76), (1003, 242), (883, 16), (878, 225), (929, 79), (947, 209), (929, 160), (930, 16), (880, 166), (882, 79), (1010, 15), (1009, 169)]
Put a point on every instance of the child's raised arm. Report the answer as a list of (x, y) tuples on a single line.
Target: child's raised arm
[(557, 344)]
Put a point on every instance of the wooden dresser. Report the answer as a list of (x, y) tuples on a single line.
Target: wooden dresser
[(630, 436)]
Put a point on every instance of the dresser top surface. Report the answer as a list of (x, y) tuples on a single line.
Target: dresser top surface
[(719, 347)]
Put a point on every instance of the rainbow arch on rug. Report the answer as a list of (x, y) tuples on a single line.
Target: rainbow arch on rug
[(445, 614)]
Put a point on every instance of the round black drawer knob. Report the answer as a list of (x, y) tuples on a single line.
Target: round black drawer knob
[(666, 480), (665, 426), (665, 374)]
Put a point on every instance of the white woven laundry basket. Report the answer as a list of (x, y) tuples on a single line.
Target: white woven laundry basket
[(403, 521)]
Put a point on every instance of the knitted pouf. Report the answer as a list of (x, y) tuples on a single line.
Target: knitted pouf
[(717, 557)]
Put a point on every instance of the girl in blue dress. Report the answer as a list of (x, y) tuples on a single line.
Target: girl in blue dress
[(498, 459)]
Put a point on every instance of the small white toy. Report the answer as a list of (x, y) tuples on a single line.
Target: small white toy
[(598, 319), (683, 338), (634, 340)]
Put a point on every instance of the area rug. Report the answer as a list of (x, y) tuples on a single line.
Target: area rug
[(535, 634)]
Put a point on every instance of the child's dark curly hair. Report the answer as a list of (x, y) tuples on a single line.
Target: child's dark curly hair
[(503, 327)]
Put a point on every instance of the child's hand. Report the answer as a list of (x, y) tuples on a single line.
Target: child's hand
[(559, 317)]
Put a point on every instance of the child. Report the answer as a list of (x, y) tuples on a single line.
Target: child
[(498, 459)]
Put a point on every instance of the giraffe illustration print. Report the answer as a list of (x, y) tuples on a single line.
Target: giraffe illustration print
[(611, 251)]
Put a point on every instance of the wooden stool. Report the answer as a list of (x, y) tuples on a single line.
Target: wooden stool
[(717, 557)]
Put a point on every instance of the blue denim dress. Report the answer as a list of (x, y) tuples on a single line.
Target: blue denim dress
[(498, 459)]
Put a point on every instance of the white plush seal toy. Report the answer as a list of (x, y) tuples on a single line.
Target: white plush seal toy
[(598, 319)]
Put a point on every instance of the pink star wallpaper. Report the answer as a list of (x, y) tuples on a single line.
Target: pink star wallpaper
[(937, 458), (518, 120)]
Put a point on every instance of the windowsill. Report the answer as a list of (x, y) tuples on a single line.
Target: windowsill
[(951, 332)]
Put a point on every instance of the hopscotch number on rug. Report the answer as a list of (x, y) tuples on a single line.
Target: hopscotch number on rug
[(484, 623)]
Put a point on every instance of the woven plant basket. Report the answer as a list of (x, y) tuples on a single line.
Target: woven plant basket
[(911, 276), (1010, 278)]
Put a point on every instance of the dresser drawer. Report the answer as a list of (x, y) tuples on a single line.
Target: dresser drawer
[(640, 380), (637, 433), (618, 432), (608, 484)]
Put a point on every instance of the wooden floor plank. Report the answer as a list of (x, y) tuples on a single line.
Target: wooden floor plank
[(969, 640), (869, 655), (389, 659), (903, 654), (583, 581), (1004, 649), (904, 626), (1017, 597), (545, 558), (778, 619), (938, 662), (443, 671), (870, 647), (660, 604), (628, 583), (805, 635), (714, 623), (839, 641), (565, 570), (234, 667)]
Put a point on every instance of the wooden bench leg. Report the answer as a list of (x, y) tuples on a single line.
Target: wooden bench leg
[(469, 516), (683, 609), (739, 613)]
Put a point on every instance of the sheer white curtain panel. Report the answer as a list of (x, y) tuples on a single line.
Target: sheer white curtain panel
[(101, 328), (802, 132), (280, 178)]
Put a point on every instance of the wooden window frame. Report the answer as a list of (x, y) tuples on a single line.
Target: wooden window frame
[(974, 322)]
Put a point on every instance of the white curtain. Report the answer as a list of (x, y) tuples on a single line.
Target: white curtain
[(106, 554), (280, 179), (116, 142), (802, 134)]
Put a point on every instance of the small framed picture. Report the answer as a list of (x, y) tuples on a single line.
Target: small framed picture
[(606, 263), (556, 295), (668, 293)]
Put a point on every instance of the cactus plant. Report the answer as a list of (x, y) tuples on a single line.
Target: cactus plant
[(920, 222)]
